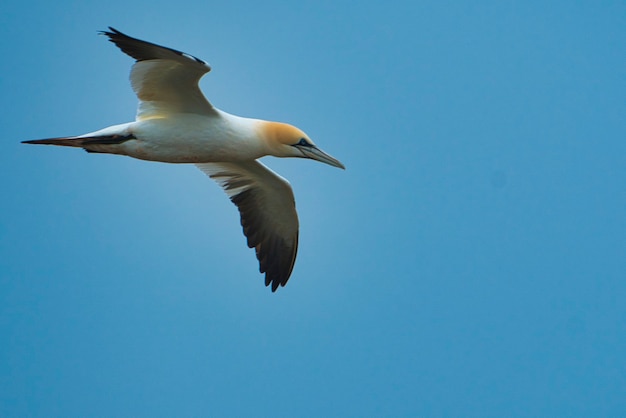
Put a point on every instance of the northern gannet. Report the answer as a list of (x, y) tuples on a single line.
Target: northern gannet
[(175, 123)]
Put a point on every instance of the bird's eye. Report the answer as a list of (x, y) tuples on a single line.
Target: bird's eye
[(303, 142)]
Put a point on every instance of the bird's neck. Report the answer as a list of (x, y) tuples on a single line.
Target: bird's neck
[(249, 134)]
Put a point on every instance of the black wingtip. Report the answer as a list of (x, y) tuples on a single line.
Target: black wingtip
[(112, 31), (276, 282), (143, 50), (114, 35)]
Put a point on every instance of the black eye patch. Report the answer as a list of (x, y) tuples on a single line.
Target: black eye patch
[(303, 142)]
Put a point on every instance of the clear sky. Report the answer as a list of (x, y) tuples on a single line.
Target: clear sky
[(471, 260)]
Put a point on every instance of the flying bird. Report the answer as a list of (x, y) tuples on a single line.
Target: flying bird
[(175, 123)]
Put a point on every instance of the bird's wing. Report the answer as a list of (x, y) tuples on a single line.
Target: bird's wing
[(164, 79), (268, 214)]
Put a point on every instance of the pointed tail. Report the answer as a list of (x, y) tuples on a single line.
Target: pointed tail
[(64, 141), (81, 141)]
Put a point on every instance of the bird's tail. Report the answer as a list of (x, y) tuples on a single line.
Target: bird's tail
[(81, 141), (64, 141)]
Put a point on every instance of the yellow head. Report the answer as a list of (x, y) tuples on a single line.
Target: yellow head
[(285, 140)]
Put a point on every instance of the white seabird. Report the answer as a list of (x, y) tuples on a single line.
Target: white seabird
[(175, 123)]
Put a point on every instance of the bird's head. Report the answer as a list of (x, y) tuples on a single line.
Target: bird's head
[(285, 140)]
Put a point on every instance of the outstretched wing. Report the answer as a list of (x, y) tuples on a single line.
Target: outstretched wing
[(268, 214), (164, 79)]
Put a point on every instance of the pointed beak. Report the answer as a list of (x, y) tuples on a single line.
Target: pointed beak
[(315, 153)]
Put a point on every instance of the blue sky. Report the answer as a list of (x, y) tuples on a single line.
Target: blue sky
[(471, 260)]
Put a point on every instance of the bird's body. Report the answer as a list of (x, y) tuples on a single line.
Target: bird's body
[(176, 124), (184, 138)]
